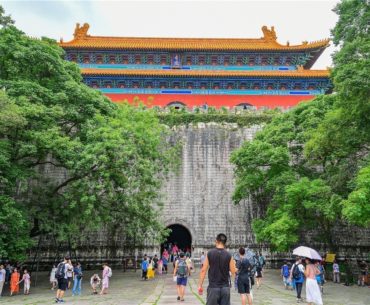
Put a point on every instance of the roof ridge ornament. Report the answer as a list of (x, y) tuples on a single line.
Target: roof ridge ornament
[(81, 31), (269, 35)]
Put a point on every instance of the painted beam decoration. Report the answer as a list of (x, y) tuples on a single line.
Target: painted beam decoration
[(259, 72)]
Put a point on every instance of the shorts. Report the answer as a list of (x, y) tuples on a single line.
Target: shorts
[(62, 284), (243, 285), (182, 281), (219, 296)]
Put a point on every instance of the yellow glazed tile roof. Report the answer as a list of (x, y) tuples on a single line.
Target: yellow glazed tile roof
[(266, 43), (209, 73)]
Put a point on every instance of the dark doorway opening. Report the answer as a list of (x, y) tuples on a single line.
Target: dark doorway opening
[(180, 236)]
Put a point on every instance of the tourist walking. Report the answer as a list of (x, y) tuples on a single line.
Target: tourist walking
[(53, 280), (14, 282), (313, 294), (259, 267), (144, 268), (106, 274), (219, 264), (320, 277), (364, 270), (181, 272), (26, 279), (155, 262), (95, 283), (285, 271), (150, 273), (336, 272), (61, 276), (202, 259), (77, 280), (160, 267), (70, 274), (244, 274), (2, 278), (8, 273), (297, 277)]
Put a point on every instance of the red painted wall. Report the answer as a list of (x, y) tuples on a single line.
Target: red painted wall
[(162, 100)]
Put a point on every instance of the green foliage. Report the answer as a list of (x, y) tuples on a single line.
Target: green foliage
[(176, 118), (70, 160), (14, 229), (357, 206), (304, 168), (5, 20)]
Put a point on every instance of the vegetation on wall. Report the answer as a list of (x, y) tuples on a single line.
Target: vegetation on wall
[(108, 161), (309, 168), (242, 118)]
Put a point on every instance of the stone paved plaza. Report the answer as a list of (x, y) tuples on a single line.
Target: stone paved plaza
[(128, 289)]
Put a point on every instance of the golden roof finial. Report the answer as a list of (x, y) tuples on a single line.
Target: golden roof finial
[(269, 35), (81, 32)]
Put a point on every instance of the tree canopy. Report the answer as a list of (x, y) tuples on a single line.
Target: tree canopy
[(70, 160), (308, 168)]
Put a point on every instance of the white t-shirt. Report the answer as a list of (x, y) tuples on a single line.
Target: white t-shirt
[(67, 271), (336, 268), (2, 275), (202, 259)]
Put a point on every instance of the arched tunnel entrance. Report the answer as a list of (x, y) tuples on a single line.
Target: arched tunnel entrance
[(179, 236)]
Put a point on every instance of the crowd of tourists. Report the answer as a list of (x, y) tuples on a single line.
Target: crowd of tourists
[(66, 275), (245, 266)]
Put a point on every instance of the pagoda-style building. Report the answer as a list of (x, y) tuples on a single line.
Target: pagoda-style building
[(200, 71)]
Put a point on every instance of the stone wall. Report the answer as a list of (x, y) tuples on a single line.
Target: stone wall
[(199, 195)]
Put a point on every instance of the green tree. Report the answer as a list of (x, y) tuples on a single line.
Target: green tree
[(5, 20), (303, 170), (70, 160)]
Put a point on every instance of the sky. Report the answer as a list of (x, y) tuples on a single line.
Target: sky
[(294, 20)]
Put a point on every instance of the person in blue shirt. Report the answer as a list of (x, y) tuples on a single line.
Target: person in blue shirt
[(77, 279), (144, 268), (297, 276)]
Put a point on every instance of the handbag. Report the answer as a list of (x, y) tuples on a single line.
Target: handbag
[(175, 278)]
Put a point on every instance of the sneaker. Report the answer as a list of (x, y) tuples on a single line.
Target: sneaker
[(56, 300), (178, 298), (61, 301)]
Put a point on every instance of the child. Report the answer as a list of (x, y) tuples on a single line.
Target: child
[(14, 282), (26, 279), (95, 283), (160, 266), (285, 271)]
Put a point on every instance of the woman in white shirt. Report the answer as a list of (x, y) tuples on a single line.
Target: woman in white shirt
[(53, 280)]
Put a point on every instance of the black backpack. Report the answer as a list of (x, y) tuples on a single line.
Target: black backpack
[(296, 272), (60, 273)]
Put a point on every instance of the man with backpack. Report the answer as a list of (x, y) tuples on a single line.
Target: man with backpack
[(61, 276), (181, 271), (244, 278), (297, 275)]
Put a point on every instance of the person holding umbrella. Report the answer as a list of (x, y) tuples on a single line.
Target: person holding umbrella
[(313, 294)]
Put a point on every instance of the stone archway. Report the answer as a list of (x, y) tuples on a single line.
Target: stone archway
[(179, 235), (176, 105)]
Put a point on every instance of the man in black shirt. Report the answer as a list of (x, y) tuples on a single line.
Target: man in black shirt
[(219, 264)]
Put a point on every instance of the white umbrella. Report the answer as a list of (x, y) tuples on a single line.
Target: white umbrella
[(307, 252)]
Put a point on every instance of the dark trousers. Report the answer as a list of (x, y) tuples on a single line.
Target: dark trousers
[(218, 296), (298, 287), (144, 274)]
